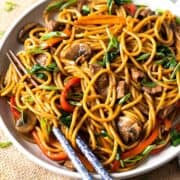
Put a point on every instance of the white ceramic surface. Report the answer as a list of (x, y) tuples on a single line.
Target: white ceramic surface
[(34, 14)]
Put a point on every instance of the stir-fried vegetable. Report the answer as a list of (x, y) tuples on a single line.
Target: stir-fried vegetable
[(85, 9), (110, 4), (50, 68), (176, 69), (147, 83), (60, 5), (66, 118), (103, 19), (49, 88), (121, 2), (142, 145), (35, 50), (5, 144), (49, 35), (14, 110), (143, 57), (124, 99), (175, 137), (130, 8), (112, 49), (168, 60), (54, 156), (66, 106)]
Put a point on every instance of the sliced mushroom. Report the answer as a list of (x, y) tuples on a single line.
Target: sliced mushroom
[(53, 25), (129, 129), (78, 52), (23, 33), (41, 59), (26, 122)]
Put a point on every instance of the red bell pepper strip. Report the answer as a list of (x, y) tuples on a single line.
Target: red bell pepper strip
[(63, 98), (115, 165), (15, 112), (130, 8), (142, 145), (54, 156)]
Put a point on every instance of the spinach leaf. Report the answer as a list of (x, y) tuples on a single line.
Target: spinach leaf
[(66, 118), (124, 99), (149, 84), (168, 59), (175, 137)]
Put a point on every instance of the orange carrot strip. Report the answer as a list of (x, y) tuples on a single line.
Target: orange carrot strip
[(103, 19)]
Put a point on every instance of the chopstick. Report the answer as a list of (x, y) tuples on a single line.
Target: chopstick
[(61, 138)]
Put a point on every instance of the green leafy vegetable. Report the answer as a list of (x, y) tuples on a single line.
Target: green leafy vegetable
[(85, 10), (9, 6), (1, 34), (168, 59), (149, 84), (50, 68), (55, 5), (148, 150), (121, 2), (112, 49), (49, 88), (5, 144), (75, 103), (175, 137), (143, 57), (75, 95), (49, 35), (176, 69), (66, 119), (104, 133), (41, 76), (110, 4), (124, 99), (67, 4)]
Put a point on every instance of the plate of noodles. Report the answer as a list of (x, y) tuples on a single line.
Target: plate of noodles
[(108, 71)]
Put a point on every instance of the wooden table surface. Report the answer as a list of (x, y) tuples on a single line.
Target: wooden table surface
[(169, 171)]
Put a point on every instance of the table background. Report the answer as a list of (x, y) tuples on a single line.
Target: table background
[(15, 166)]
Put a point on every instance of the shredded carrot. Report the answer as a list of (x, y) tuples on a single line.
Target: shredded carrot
[(141, 146), (52, 41), (103, 19)]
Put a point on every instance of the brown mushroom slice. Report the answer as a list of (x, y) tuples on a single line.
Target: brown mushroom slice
[(54, 25), (78, 52), (23, 33), (129, 129), (26, 122), (41, 59)]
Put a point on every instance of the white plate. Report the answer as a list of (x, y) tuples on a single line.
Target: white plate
[(34, 14)]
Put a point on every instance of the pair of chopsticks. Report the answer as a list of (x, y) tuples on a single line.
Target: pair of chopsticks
[(21, 70)]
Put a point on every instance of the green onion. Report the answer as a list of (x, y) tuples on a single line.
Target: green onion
[(52, 67), (135, 159), (117, 156), (148, 150), (9, 6), (124, 99), (49, 88), (85, 9), (49, 35), (67, 4), (149, 84), (1, 34), (109, 4), (175, 137), (176, 69), (144, 56), (41, 76), (75, 103), (5, 144), (35, 50), (122, 163), (66, 119)]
